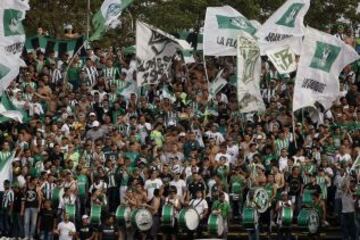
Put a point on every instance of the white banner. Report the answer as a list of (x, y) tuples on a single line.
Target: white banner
[(283, 59), (285, 23), (154, 51), (322, 59), (12, 34), (248, 74), (222, 26)]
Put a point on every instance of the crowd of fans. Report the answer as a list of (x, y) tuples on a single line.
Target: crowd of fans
[(88, 141)]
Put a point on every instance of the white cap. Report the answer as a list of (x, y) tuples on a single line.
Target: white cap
[(95, 124), (85, 216)]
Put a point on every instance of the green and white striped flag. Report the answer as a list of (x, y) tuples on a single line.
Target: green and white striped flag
[(8, 111), (6, 159), (107, 17), (12, 34)]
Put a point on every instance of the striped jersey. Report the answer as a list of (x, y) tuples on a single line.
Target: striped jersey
[(8, 198), (47, 189), (92, 74), (111, 73), (281, 144)]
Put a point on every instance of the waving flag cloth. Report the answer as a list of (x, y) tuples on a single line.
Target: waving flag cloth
[(107, 17), (12, 34), (248, 74), (154, 51), (287, 23), (8, 111), (222, 26), (323, 57), (9, 69), (6, 159)]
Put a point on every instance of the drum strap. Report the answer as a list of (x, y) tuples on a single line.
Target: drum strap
[(192, 201)]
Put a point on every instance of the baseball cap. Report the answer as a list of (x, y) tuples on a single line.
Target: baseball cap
[(95, 124), (84, 217)]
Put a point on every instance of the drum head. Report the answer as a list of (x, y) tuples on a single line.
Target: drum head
[(262, 199), (314, 221), (192, 219), (143, 219), (220, 225)]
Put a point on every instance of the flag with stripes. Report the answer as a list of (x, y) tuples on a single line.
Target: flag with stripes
[(58, 46), (6, 159), (107, 17), (8, 111)]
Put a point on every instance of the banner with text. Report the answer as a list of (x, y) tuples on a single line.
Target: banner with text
[(322, 59), (222, 26)]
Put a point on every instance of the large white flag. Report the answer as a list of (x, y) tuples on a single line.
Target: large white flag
[(287, 22), (222, 26), (12, 34), (6, 169), (154, 51), (248, 74), (322, 59), (9, 69)]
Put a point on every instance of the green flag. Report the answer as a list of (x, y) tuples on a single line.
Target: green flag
[(107, 17)]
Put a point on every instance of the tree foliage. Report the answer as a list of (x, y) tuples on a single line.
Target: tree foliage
[(173, 15)]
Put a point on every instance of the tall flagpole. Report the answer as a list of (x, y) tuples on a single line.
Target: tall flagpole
[(88, 20)]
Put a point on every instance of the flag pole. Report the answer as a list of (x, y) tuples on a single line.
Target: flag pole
[(206, 73), (88, 20), (293, 126)]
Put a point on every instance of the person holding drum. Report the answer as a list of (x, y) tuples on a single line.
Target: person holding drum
[(237, 185), (171, 202), (284, 209), (201, 206), (221, 208)]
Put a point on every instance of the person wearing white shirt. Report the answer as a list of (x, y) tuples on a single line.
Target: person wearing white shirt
[(66, 229), (283, 160), (232, 149), (342, 156), (200, 204), (179, 184), (151, 184)]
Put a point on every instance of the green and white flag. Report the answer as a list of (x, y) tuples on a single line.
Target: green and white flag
[(154, 51), (287, 22), (218, 84), (283, 58), (6, 168), (222, 26), (323, 57), (248, 74), (9, 69), (12, 34), (108, 17), (8, 111)]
